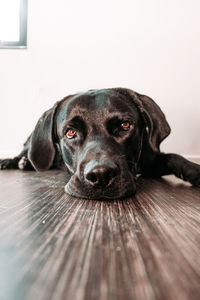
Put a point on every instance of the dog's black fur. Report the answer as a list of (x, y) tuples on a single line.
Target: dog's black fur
[(104, 138)]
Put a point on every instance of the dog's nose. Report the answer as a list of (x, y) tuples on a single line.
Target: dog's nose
[(100, 174)]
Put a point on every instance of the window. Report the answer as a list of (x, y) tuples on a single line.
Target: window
[(13, 23)]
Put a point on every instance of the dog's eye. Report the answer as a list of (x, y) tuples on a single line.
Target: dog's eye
[(125, 125), (70, 133)]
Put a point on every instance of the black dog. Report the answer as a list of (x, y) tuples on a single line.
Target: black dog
[(104, 138)]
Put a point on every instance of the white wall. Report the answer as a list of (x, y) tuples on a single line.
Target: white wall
[(152, 46)]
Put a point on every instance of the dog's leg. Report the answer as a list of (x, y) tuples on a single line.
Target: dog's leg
[(166, 164), (19, 162)]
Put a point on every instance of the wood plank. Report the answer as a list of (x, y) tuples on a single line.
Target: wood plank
[(53, 246)]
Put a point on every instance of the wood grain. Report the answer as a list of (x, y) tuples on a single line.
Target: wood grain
[(53, 246)]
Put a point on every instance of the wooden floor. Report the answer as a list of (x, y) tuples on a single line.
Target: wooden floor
[(53, 246)]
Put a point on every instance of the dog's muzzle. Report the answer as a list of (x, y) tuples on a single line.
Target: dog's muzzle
[(101, 179)]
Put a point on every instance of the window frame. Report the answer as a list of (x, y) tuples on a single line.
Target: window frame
[(22, 43)]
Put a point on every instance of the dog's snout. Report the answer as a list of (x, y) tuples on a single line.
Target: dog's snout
[(98, 174)]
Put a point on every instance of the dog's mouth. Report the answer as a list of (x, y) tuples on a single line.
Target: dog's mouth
[(117, 190)]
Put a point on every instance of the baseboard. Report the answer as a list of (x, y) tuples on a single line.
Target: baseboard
[(193, 158)]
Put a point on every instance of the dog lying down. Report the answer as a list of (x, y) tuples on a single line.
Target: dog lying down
[(104, 138)]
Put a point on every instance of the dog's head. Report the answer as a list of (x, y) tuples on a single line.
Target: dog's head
[(100, 135)]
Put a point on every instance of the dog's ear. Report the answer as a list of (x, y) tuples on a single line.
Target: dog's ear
[(157, 126), (41, 150), (154, 119)]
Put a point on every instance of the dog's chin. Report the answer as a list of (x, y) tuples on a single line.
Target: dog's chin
[(100, 194)]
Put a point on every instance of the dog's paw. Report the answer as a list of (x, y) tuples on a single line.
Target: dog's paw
[(24, 163), (8, 163), (193, 175)]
